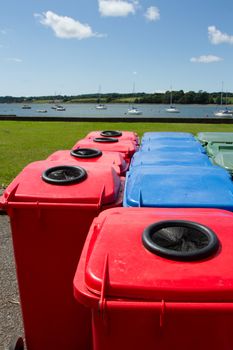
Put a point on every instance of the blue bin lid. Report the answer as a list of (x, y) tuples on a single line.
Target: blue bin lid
[(169, 145), (179, 186), (147, 136), (170, 158)]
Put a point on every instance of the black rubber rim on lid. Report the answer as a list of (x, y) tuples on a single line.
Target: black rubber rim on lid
[(180, 240), (111, 133), (64, 175), (105, 139), (86, 153)]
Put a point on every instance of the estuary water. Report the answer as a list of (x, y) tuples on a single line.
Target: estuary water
[(113, 110)]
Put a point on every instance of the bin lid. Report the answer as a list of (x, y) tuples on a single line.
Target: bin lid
[(122, 135), (206, 137), (91, 155), (225, 160), (169, 158), (147, 136), (179, 186), (134, 272), (123, 146), (169, 145), (64, 182)]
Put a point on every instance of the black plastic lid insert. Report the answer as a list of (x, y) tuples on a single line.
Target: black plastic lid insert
[(86, 153), (64, 174), (105, 139), (180, 240), (111, 133)]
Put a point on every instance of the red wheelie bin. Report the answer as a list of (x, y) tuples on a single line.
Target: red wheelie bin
[(159, 279), (95, 156), (120, 135), (51, 206), (126, 147)]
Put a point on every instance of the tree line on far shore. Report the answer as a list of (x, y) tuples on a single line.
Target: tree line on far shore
[(178, 97)]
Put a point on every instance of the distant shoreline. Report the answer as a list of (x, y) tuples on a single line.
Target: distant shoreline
[(120, 119)]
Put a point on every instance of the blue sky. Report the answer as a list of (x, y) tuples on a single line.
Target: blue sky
[(72, 47)]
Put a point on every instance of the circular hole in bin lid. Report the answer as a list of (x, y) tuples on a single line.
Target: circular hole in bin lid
[(105, 139), (180, 240), (86, 153), (64, 174), (111, 133)]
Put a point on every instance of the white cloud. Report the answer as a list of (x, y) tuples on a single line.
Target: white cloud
[(3, 31), (217, 37), (116, 8), (66, 27), (206, 59), (14, 59), (152, 13)]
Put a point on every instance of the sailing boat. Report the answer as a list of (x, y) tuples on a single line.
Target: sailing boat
[(134, 110), (223, 112), (172, 109), (100, 105)]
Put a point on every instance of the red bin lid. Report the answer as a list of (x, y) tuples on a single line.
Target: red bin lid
[(43, 181), (135, 272), (101, 157), (122, 135), (123, 146)]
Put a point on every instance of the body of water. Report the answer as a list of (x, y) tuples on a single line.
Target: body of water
[(113, 110)]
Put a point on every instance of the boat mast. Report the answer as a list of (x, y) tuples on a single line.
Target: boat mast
[(171, 96), (221, 93)]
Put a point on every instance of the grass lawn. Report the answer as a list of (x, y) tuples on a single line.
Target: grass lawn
[(23, 142)]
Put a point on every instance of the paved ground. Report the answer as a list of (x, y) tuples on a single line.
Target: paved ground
[(10, 314)]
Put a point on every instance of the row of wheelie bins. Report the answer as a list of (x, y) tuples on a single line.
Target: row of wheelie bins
[(51, 205), (157, 273), (148, 230)]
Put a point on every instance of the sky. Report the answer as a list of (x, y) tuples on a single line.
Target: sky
[(73, 47)]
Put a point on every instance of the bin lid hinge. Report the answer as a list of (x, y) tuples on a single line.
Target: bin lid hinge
[(105, 283), (102, 195), (162, 314)]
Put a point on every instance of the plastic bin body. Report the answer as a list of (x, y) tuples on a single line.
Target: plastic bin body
[(169, 158), (125, 135), (214, 147), (169, 145), (49, 226), (206, 137), (150, 136), (178, 186), (225, 160), (142, 301), (114, 159), (126, 147)]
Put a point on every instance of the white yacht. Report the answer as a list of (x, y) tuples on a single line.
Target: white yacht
[(60, 108), (224, 113), (100, 106), (134, 111), (172, 109), (42, 110)]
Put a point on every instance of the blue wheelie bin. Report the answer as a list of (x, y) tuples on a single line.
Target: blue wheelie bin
[(150, 136), (178, 186), (169, 158)]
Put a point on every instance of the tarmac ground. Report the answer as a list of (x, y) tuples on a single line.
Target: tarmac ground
[(11, 325)]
